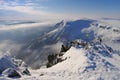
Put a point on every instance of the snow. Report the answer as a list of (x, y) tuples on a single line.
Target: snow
[(81, 64), (108, 35), (9, 72), (100, 61), (6, 62), (27, 25), (73, 56)]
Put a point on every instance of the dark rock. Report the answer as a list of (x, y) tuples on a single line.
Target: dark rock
[(49, 65), (53, 59), (41, 74), (116, 30), (11, 72), (103, 27), (26, 72)]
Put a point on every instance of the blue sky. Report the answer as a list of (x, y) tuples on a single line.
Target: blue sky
[(58, 9)]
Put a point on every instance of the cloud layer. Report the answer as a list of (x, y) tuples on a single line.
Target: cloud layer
[(27, 25)]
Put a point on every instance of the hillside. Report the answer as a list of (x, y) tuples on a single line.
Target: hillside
[(96, 62), (93, 52)]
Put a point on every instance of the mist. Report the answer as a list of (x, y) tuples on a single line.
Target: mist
[(14, 36)]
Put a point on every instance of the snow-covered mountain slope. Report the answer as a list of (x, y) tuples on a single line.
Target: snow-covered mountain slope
[(96, 62), (108, 31), (93, 64), (65, 31)]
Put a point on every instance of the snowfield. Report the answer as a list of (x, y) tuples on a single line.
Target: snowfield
[(97, 60)]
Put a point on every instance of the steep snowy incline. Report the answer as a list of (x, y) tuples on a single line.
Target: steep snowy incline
[(73, 30), (94, 63), (63, 31)]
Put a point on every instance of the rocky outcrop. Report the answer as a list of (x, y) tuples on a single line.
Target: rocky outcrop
[(53, 59), (6, 62), (56, 58), (11, 72), (12, 67), (25, 71)]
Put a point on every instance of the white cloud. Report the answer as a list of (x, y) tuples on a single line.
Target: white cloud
[(12, 3), (9, 47), (23, 9), (28, 6), (19, 26), (38, 14)]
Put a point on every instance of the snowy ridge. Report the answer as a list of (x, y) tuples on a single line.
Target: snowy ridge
[(94, 63), (89, 63), (108, 30)]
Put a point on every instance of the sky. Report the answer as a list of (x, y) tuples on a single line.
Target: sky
[(58, 9)]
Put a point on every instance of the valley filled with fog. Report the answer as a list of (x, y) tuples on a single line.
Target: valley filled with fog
[(14, 35)]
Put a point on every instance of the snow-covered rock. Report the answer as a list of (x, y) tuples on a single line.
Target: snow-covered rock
[(12, 68), (6, 62), (11, 72), (25, 71)]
